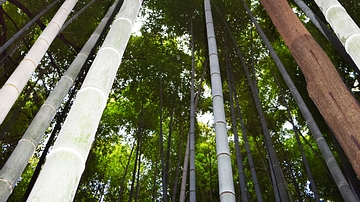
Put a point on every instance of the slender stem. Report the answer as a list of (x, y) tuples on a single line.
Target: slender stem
[(226, 185), (192, 123)]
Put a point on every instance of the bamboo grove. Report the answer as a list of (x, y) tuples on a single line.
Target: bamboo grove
[(131, 100)]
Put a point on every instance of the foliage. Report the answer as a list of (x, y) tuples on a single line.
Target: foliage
[(161, 54)]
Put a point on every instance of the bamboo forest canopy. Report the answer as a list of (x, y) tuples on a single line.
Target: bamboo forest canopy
[(114, 112)]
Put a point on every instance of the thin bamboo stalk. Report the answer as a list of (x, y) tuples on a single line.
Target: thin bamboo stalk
[(239, 161), (192, 123), (226, 185), (184, 172), (23, 29)]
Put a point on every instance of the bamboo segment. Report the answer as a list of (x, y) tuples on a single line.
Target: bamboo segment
[(61, 173), (343, 25), (192, 124), (226, 185), (17, 81), (15, 165)]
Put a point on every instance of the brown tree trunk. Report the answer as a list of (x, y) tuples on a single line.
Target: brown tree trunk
[(335, 102)]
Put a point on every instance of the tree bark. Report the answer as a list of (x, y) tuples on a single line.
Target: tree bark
[(335, 102)]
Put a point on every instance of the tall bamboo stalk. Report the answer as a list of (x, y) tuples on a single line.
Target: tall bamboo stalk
[(305, 161), (18, 79), (121, 189), (192, 123), (247, 146), (161, 145), (184, 172), (186, 156), (61, 173), (303, 155), (59, 121), (168, 149), (226, 185), (138, 145), (20, 157), (154, 188), (175, 187), (239, 161)]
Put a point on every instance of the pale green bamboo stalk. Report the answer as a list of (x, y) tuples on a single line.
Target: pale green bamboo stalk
[(185, 171), (343, 25), (186, 156), (226, 184), (61, 173), (18, 79), (20, 157), (192, 123)]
